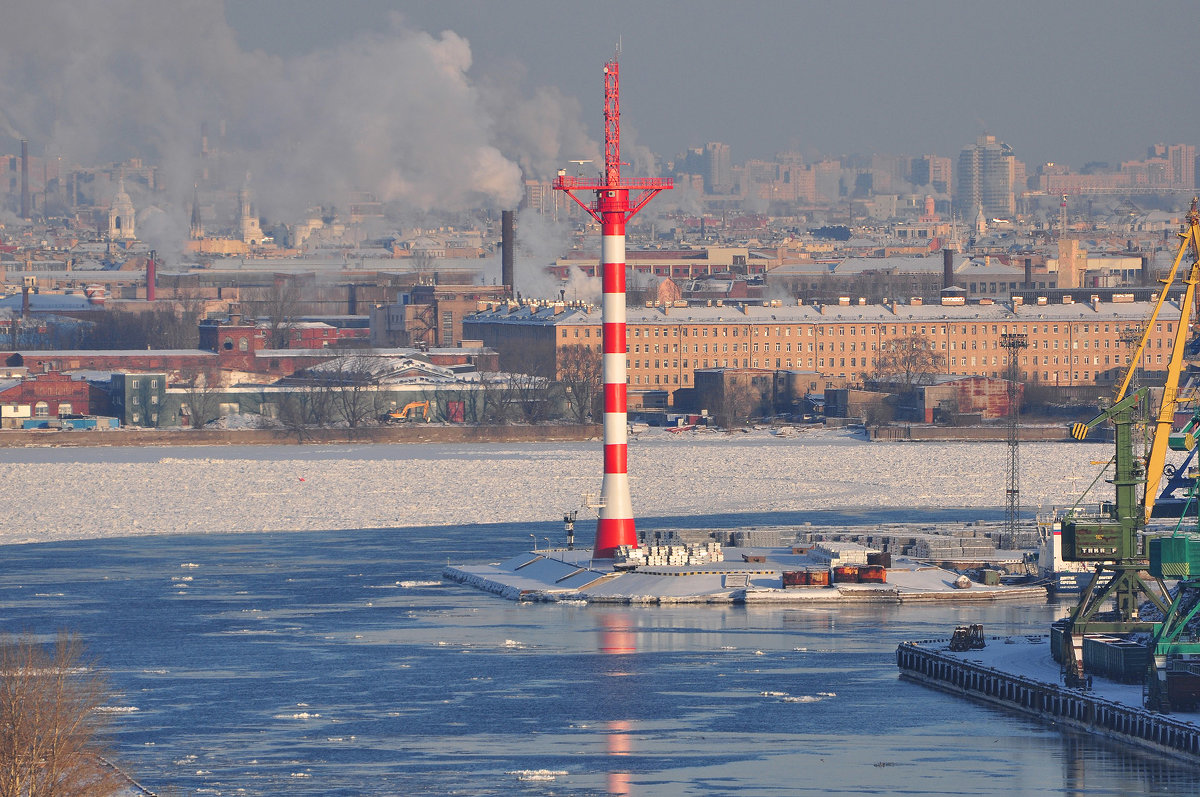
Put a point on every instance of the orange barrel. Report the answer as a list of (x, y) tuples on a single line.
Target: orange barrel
[(845, 574), (872, 574)]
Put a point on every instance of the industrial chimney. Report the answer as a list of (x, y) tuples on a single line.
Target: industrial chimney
[(1029, 272), (25, 212), (947, 268), (151, 276), (506, 249)]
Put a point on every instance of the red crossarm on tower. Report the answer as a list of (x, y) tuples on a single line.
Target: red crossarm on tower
[(612, 209)]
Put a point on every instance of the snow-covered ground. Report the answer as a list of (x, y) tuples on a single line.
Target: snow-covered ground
[(54, 494)]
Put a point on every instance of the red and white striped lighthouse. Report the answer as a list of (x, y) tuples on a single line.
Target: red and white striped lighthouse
[(612, 209)]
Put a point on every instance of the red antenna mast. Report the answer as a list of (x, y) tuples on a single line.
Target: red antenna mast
[(612, 209)]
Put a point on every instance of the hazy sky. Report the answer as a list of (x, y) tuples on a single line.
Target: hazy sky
[(1065, 81), (448, 104)]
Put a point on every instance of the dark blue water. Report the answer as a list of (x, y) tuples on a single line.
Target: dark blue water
[(338, 663)]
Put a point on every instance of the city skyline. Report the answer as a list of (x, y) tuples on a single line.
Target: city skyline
[(448, 106)]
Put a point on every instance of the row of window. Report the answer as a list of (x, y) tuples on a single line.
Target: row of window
[(42, 409), (757, 330), (683, 379)]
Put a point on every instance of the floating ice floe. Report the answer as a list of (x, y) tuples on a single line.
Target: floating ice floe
[(817, 698), (536, 775)]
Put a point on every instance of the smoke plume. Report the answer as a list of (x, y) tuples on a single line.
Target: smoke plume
[(392, 112)]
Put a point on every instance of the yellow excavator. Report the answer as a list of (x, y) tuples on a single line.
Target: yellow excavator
[(409, 412)]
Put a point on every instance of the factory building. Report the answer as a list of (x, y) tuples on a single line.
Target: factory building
[(1070, 343)]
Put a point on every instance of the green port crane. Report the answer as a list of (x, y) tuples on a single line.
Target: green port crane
[(1110, 539)]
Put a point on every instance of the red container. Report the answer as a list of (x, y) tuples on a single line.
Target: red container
[(872, 574), (795, 578), (818, 578), (845, 574)]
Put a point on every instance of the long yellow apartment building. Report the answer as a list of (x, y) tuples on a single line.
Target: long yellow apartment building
[(1068, 344)]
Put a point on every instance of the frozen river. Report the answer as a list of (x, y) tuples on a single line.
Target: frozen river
[(333, 660), (71, 493)]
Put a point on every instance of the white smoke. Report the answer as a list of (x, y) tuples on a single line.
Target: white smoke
[(392, 112), (540, 242), (543, 131)]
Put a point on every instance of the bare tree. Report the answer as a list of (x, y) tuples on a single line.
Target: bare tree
[(907, 363), (532, 396), (201, 393), (279, 304), (161, 328), (183, 332), (351, 383), (877, 412), (294, 411), (735, 404), (580, 370), (51, 735), (495, 398)]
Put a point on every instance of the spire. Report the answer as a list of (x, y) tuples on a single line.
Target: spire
[(197, 230)]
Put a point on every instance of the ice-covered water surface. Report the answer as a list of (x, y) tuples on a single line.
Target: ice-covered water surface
[(338, 663), (54, 494)]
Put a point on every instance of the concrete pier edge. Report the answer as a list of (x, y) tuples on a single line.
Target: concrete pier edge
[(1149, 730)]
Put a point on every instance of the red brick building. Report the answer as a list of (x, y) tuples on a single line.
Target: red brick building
[(50, 395)]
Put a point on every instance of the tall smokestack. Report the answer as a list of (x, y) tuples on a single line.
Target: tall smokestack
[(151, 276), (1029, 272), (947, 267), (25, 212), (506, 249), (1145, 275)]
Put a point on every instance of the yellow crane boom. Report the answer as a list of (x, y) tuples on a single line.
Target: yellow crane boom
[(1156, 459)]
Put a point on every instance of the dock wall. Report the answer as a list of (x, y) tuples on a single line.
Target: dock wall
[(1150, 730), (999, 433)]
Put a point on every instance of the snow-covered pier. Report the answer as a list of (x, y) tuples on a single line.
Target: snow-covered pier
[(747, 575), (1017, 673)]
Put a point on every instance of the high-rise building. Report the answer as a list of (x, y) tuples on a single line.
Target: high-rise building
[(933, 171), (718, 175), (1183, 164), (986, 178)]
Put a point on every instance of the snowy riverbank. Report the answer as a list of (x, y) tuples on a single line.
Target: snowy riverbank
[(54, 494)]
